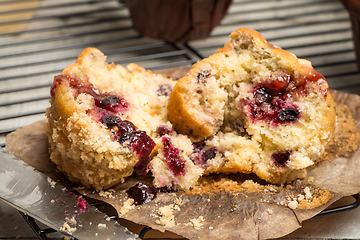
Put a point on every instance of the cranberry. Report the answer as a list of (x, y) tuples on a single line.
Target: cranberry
[(139, 141), (200, 156), (172, 159), (164, 90), (210, 153), (81, 203), (76, 84), (199, 145), (110, 120), (166, 189), (271, 101), (163, 130), (281, 158), (126, 126), (142, 144), (141, 193), (288, 115), (262, 94), (111, 103), (141, 168)]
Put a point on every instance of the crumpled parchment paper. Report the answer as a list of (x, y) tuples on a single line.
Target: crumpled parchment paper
[(236, 206)]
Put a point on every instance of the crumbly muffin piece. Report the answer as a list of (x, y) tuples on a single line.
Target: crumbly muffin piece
[(105, 120), (254, 107)]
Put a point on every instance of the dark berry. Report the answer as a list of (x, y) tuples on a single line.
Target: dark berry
[(110, 120), (202, 76), (261, 95), (141, 168), (164, 90), (126, 126), (111, 103), (210, 153), (141, 193), (281, 158), (288, 115), (163, 130), (270, 100), (199, 145), (239, 127), (139, 141), (166, 189), (172, 158)]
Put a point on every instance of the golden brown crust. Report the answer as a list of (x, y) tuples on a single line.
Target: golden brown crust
[(213, 102)]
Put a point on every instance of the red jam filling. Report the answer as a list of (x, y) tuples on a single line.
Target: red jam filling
[(172, 158), (104, 110)]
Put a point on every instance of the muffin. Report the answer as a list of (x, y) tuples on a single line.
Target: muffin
[(254, 108), (105, 123)]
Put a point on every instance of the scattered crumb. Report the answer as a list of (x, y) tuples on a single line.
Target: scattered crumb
[(51, 182), (307, 192), (71, 221), (177, 208), (66, 228), (127, 207), (293, 204), (310, 179), (270, 211), (167, 218), (178, 201), (107, 194), (211, 228), (102, 226), (300, 197), (52, 201), (197, 222)]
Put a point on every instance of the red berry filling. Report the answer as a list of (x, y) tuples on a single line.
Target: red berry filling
[(164, 90), (141, 193), (271, 101), (163, 130), (111, 103), (128, 135), (200, 156), (144, 193), (106, 105), (81, 203), (281, 158), (172, 158), (110, 120), (272, 98)]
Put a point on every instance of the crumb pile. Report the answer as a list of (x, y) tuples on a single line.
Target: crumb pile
[(254, 108)]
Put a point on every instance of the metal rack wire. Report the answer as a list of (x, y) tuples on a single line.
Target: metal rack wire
[(39, 38)]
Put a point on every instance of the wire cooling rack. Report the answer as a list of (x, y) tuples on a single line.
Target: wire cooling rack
[(39, 38)]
